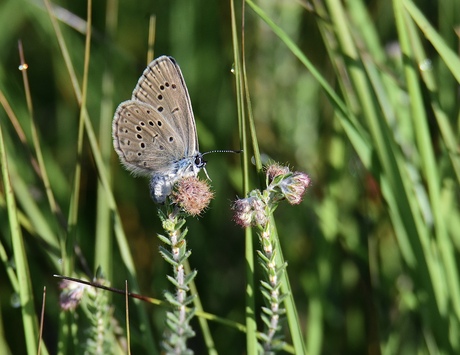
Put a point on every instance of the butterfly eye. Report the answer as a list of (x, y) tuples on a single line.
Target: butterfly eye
[(199, 161)]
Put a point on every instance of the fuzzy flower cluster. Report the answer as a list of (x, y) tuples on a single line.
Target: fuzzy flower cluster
[(192, 195), (282, 184), (293, 187), (250, 211)]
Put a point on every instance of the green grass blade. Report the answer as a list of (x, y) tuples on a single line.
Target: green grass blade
[(429, 165), (450, 57), (357, 134), (28, 313)]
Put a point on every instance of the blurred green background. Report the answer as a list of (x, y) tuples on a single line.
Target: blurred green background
[(355, 292)]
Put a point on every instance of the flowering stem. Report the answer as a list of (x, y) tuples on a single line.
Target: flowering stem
[(257, 210), (177, 320), (273, 312)]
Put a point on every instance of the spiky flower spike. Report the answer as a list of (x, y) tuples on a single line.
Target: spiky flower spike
[(190, 197), (97, 332), (255, 210)]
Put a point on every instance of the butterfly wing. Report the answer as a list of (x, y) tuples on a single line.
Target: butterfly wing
[(162, 86), (144, 139)]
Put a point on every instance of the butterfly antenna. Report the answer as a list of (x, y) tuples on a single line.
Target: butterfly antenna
[(218, 151), (223, 151)]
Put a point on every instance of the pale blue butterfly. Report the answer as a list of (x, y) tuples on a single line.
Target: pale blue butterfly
[(154, 133)]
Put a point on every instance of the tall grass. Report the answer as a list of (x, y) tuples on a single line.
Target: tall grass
[(362, 96)]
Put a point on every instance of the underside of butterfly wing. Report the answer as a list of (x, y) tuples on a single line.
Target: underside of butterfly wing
[(162, 86), (144, 140)]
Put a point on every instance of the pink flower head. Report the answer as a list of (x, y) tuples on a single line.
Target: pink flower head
[(192, 195), (274, 170), (250, 211), (293, 188)]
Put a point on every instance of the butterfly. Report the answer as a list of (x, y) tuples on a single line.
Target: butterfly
[(154, 133)]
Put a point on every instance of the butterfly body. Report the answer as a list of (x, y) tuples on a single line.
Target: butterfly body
[(162, 183), (154, 133)]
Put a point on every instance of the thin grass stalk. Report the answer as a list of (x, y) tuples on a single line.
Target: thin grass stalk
[(247, 101), (41, 168), (70, 242), (151, 40), (128, 327), (251, 327), (75, 195), (64, 51), (42, 322), (104, 229), (448, 18)]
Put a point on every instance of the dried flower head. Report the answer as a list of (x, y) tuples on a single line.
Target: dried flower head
[(192, 195)]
